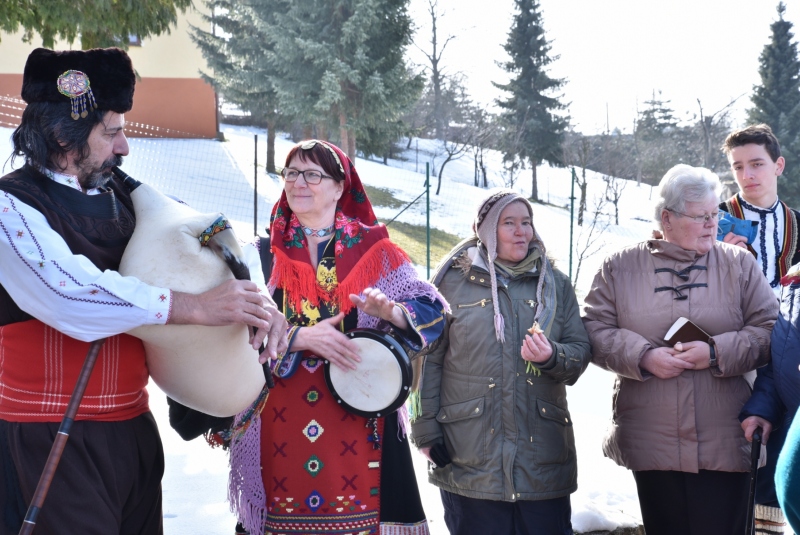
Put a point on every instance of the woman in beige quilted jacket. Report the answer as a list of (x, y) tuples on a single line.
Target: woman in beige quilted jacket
[(675, 407)]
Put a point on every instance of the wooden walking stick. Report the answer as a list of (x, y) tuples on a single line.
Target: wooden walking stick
[(61, 440)]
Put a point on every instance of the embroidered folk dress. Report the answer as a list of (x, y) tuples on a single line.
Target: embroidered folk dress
[(59, 289), (326, 470), (71, 294), (323, 469), (775, 245)]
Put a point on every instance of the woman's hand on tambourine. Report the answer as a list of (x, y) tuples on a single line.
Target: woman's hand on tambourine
[(375, 303), (325, 340), (536, 348), (232, 302)]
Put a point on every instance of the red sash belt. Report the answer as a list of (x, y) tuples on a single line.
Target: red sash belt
[(39, 367)]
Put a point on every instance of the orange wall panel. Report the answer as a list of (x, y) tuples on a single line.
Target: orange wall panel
[(184, 106), (10, 85)]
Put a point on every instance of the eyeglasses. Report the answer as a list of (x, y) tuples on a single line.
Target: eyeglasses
[(311, 177), (705, 218)]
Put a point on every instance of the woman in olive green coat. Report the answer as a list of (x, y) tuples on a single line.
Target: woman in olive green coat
[(493, 415)]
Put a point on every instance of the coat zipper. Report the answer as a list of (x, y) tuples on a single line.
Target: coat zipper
[(482, 303)]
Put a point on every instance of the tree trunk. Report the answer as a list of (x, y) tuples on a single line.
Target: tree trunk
[(307, 132), (270, 145), (582, 204), (441, 172), (322, 132), (351, 145), (343, 136), (534, 184), (483, 172)]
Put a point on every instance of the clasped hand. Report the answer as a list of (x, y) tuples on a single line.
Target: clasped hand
[(669, 362), (751, 423)]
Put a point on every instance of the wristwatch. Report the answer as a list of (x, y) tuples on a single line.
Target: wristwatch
[(712, 358)]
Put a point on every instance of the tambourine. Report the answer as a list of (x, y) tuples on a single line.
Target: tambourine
[(381, 382)]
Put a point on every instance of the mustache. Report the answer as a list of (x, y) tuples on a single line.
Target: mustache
[(103, 175), (114, 161)]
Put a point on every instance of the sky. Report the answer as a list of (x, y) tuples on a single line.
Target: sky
[(615, 54)]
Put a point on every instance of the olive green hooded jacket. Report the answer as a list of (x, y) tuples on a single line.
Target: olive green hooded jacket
[(508, 432)]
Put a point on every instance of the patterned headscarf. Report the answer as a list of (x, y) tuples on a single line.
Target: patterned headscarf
[(485, 227), (363, 249)]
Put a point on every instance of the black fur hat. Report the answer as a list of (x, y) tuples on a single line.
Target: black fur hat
[(109, 71)]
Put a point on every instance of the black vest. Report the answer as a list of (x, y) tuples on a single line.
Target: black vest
[(96, 226)]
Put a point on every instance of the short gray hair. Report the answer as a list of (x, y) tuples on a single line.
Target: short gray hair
[(684, 183)]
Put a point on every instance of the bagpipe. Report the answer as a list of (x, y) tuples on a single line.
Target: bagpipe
[(213, 370)]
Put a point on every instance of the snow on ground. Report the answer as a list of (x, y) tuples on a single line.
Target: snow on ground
[(195, 482)]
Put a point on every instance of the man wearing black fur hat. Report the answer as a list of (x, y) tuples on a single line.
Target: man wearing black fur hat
[(65, 220)]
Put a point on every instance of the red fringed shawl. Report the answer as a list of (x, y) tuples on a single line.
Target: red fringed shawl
[(299, 280)]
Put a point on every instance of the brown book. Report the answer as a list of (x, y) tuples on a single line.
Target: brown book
[(684, 330)]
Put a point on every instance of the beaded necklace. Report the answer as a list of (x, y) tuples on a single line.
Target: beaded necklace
[(319, 233)]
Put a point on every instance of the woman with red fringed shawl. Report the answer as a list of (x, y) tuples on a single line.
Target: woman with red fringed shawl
[(322, 469)]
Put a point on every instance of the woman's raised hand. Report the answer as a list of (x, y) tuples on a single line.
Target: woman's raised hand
[(326, 340), (536, 348), (375, 303)]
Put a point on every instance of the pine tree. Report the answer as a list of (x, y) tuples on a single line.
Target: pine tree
[(655, 135), (656, 119), (99, 24), (777, 101), (242, 60), (342, 68), (535, 130)]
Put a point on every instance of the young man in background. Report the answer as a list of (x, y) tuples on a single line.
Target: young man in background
[(756, 163)]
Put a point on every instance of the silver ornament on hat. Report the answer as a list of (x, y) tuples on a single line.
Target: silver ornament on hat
[(76, 86)]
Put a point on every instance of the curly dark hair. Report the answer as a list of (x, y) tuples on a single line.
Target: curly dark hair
[(47, 133)]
